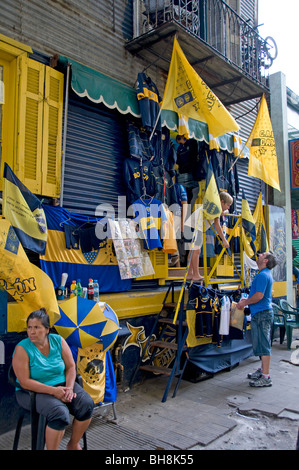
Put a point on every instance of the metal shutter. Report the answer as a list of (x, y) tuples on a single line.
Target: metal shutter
[(245, 114), (252, 186), (96, 146)]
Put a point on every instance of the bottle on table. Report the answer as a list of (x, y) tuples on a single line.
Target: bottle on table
[(79, 290), (96, 290), (62, 288), (73, 289), (90, 290)]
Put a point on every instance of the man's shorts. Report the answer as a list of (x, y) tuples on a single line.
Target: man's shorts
[(261, 325)]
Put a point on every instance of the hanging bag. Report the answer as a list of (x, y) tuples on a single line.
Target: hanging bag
[(236, 316)]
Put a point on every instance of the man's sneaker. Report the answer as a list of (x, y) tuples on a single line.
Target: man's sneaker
[(261, 382), (255, 375)]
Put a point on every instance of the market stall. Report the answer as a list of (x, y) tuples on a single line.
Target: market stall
[(160, 151)]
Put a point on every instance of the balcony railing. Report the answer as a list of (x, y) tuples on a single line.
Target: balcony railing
[(216, 24)]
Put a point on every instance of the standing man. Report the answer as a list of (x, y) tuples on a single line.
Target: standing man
[(260, 300)]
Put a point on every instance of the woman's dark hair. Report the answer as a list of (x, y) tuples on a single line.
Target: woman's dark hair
[(40, 315)]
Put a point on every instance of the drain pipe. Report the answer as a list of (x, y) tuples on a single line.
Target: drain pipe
[(66, 104)]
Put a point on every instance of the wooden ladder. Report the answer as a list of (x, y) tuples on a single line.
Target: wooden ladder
[(156, 342)]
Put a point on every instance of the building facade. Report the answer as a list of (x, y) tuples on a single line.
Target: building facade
[(116, 40), (68, 78)]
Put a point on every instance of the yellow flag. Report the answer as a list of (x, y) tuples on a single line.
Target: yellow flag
[(238, 151), (211, 200), (261, 143), (261, 242), (214, 143), (30, 287), (188, 95), (248, 229), (91, 366)]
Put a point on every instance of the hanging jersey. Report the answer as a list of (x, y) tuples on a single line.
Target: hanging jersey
[(150, 215), (164, 151), (140, 146), (216, 322), (149, 102), (224, 316), (165, 187), (180, 193), (138, 177), (204, 316)]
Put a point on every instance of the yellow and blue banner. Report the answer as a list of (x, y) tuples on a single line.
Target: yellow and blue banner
[(27, 284), (261, 241), (211, 200), (97, 371), (248, 228), (100, 264), (24, 211), (84, 322), (188, 95), (261, 144)]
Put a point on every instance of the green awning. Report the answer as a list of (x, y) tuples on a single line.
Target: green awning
[(198, 130), (99, 88)]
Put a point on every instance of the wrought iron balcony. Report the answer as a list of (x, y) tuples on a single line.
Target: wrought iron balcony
[(217, 29)]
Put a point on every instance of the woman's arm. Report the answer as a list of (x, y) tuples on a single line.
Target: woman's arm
[(20, 363), (70, 369)]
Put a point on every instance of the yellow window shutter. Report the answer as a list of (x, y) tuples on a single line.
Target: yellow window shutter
[(30, 123), (52, 133)]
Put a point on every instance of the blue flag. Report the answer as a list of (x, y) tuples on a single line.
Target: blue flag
[(248, 228), (100, 263), (24, 211), (29, 286)]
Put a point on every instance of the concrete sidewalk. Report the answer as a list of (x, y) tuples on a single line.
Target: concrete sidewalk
[(199, 414)]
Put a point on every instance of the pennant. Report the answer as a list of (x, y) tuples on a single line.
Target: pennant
[(188, 95), (23, 210), (261, 144), (91, 366), (248, 228), (214, 143), (211, 200), (238, 149), (30, 287), (183, 125), (261, 241)]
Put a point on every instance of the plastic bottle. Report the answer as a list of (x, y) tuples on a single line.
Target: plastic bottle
[(79, 290), (73, 289), (61, 289), (60, 293), (90, 290), (96, 291)]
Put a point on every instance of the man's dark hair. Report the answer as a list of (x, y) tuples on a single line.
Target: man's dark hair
[(272, 260)]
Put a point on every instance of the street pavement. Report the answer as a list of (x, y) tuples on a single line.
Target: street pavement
[(199, 414)]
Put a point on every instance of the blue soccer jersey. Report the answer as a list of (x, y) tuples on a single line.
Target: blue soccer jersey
[(150, 215)]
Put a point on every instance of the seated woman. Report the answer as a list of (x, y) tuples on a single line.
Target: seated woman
[(43, 363)]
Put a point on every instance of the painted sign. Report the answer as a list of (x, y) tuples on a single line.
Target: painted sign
[(294, 163)]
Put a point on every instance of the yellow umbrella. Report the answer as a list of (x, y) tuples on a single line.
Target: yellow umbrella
[(84, 322)]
